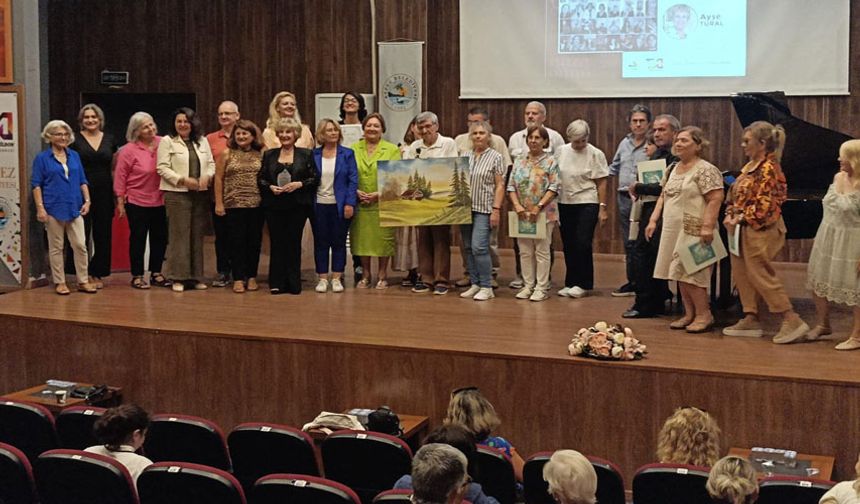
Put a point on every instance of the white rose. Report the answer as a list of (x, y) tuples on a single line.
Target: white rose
[(628, 332), (601, 326), (618, 338), (575, 348), (617, 351)]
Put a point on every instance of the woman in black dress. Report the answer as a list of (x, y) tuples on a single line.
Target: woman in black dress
[(288, 182), (97, 150)]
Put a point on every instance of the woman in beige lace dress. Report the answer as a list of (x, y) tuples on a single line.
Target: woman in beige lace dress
[(692, 194)]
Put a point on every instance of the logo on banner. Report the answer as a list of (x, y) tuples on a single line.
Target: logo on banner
[(400, 92), (6, 126)]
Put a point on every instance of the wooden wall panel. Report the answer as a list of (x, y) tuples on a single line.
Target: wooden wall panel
[(605, 409), (247, 50)]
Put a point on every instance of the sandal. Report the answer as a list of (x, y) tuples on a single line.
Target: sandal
[(381, 285), (252, 284), (159, 280), (138, 283), (62, 289), (238, 286), (364, 283), (87, 288)]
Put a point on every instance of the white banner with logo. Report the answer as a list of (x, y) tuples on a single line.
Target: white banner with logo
[(10, 191), (400, 74)]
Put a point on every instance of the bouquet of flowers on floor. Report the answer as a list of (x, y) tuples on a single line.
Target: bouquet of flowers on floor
[(604, 341)]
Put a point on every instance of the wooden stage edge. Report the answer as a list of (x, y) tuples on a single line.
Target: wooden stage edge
[(256, 357)]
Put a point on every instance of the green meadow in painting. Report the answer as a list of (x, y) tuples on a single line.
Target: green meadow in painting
[(424, 192)]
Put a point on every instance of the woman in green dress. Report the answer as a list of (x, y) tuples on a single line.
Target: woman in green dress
[(368, 239)]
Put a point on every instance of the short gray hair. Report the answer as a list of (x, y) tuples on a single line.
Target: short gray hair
[(571, 476), (427, 116), (578, 129), (438, 470), (98, 111), (639, 109), (55, 124), (288, 123), (539, 105), (673, 121), (137, 120)]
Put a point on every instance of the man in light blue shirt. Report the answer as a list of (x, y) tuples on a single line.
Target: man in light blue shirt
[(631, 150)]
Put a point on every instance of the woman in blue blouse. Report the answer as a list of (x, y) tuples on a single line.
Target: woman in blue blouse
[(335, 203), (62, 197)]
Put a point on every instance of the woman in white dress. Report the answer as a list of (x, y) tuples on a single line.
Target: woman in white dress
[(834, 264), (692, 194)]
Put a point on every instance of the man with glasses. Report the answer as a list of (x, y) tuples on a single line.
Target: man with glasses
[(228, 114)]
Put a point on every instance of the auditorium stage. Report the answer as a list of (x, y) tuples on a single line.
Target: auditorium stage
[(236, 358)]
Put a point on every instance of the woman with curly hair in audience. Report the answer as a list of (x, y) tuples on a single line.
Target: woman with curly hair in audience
[(571, 478), (690, 436), (471, 410), (846, 492), (122, 431), (732, 481)]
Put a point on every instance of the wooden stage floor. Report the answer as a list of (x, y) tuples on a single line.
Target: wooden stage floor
[(254, 356)]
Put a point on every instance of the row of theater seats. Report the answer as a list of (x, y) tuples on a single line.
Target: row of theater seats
[(358, 465)]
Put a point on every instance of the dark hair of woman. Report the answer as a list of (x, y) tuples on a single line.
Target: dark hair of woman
[(461, 439), (196, 126), (250, 127), (362, 108), (117, 425)]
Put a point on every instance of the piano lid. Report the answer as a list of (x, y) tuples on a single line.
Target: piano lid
[(811, 155)]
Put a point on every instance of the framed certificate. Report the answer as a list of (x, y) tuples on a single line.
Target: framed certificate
[(518, 228)]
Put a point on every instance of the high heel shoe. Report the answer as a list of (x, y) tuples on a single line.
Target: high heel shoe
[(700, 327)]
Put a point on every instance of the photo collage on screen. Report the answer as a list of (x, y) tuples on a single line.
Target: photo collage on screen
[(588, 26)]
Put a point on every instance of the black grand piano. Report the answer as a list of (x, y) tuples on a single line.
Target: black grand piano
[(810, 158)]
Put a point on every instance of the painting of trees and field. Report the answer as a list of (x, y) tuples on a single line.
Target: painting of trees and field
[(424, 192)]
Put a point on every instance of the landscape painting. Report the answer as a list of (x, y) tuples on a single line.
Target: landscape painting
[(424, 192)]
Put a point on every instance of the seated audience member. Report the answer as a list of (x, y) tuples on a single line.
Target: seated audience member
[(571, 478), (846, 492), (689, 436), (439, 475), (469, 409), (463, 440), (732, 481), (122, 431)]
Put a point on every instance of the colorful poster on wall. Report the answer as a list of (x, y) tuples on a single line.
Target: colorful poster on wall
[(424, 192), (10, 191)]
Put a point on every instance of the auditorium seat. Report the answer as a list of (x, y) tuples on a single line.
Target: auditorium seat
[(185, 438), (610, 483), (301, 489), (496, 474), (16, 476), (75, 426), (399, 496), (367, 462), (28, 427), (187, 483), (670, 484), (792, 490), (258, 449), (77, 477)]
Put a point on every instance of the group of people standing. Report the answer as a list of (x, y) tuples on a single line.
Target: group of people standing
[(274, 177)]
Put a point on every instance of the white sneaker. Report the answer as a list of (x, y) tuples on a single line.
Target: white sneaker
[(470, 292), (484, 294), (516, 283), (524, 293), (322, 286), (565, 292), (336, 285), (577, 292), (538, 295)]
